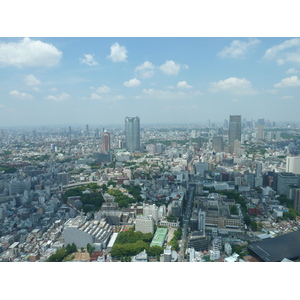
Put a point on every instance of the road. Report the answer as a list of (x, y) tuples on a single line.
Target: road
[(186, 217)]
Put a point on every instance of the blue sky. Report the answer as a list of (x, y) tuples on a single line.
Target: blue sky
[(99, 81)]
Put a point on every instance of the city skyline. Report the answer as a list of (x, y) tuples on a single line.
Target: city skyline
[(51, 81)]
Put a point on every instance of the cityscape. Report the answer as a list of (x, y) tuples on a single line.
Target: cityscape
[(224, 192), (149, 150)]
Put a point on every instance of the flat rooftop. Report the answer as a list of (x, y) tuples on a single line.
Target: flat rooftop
[(159, 237), (278, 248)]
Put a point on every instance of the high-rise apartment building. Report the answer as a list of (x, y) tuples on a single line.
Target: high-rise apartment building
[(297, 199), (105, 142), (293, 164), (217, 143), (132, 133), (235, 131), (260, 132)]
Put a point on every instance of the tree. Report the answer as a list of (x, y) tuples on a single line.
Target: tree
[(247, 220), (90, 248), (234, 210), (253, 226)]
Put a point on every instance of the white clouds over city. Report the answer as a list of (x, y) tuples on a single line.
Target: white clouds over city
[(88, 59), (59, 98), (132, 83), (145, 70), (20, 95), (103, 89), (292, 71), (288, 51), (32, 80), (170, 67), (238, 48), (183, 85), (233, 85), (96, 97), (29, 53), (292, 81), (117, 53)]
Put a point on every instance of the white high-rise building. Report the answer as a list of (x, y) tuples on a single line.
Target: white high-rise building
[(132, 133), (293, 164), (151, 210), (144, 224), (216, 246)]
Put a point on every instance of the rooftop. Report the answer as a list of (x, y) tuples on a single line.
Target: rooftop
[(278, 248)]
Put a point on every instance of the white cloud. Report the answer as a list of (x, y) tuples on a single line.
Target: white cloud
[(280, 53), (96, 97), (29, 53), (183, 85), (167, 95), (170, 67), (32, 80), (117, 53), (287, 97), (36, 89), (145, 70), (233, 85), (238, 48), (103, 89), (2, 105), (132, 83), (88, 59), (119, 97), (53, 89), (288, 82), (20, 95), (58, 98), (292, 71)]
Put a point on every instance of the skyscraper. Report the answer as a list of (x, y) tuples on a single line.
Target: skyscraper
[(217, 143), (235, 131), (132, 133), (105, 142), (260, 131)]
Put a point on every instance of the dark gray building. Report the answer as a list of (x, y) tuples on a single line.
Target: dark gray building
[(235, 131)]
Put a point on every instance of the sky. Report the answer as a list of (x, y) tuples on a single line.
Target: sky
[(101, 80)]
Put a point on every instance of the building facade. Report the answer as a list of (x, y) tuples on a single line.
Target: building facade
[(105, 142), (235, 131), (132, 133)]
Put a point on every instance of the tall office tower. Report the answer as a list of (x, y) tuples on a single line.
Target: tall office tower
[(201, 221), (70, 129), (87, 129), (293, 164), (132, 133), (235, 131), (260, 131), (1, 133), (199, 142), (258, 169), (105, 142), (225, 124), (217, 143), (297, 200)]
